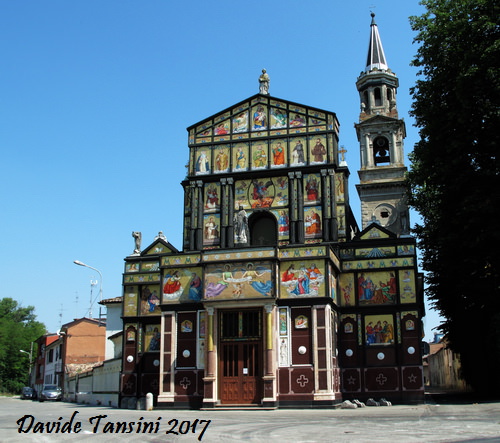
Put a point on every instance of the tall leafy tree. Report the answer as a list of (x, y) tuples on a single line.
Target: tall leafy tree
[(18, 329), (455, 176)]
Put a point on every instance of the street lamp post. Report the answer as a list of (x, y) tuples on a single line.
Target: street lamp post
[(79, 263), (30, 355)]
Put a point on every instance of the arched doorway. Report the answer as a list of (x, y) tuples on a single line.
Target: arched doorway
[(263, 229)]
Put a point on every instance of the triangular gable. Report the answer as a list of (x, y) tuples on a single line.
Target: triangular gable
[(374, 232), (159, 246), (257, 115)]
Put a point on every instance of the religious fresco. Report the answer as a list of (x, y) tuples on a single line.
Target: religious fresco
[(339, 188), (150, 266), (302, 279), (222, 128), (333, 285), (131, 295), (317, 149), (407, 286), (312, 222), (283, 223), (278, 118), (259, 155), (240, 157), (406, 250), (211, 229), (347, 291), (150, 300), (261, 193), (278, 153), (212, 197), (312, 189), (259, 118), (221, 160), (379, 330), (298, 155), (152, 337), (202, 164), (238, 281), (297, 120), (132, 267), (341, 219), (182, 285), (240, 122), (376, 288)]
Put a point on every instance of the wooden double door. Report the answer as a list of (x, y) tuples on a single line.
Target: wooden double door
[(240, 357)]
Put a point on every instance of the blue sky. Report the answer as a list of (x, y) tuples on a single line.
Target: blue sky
[(95, 100)]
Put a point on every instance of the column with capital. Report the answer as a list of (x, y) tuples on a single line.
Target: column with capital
[(210, 378)]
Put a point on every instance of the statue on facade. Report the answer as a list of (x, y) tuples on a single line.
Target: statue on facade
[(137, 237), (241, 232), (264, 83), (161, 236)]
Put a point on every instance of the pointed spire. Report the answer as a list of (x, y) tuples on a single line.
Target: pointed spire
[(376, 56)]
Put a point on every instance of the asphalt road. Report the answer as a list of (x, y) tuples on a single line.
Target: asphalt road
[(467, 422)]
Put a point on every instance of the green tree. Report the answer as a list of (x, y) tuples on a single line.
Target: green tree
[(454, 176), (18, 329)]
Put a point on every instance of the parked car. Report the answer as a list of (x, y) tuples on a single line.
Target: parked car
[(27, 393), (51, 392)]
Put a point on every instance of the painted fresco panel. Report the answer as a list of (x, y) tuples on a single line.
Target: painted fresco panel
[(259, 118), (278, 153), (182, 285), (312, 222), (150, 266), (379, 330), (240, 157), (341, 219), (312, 189), (302, 279), (259, 155), (240, 122), (407, 285), (203, 161), (238, 281), (377, 288), (297, 120), (130, 301), (152, 338), (211, 229), (283, 223), (298, 155), (221, 160), (278, 118), (150, 300), (406, 250), (333, 285), (212, 197), (132, 267), (317, 149), (264, 193), (222, 128), (348, 294), (339, 188)]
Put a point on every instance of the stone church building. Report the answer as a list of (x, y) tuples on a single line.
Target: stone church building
[(278, 298)]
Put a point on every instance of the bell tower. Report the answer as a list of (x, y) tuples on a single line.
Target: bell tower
[(381, 132)]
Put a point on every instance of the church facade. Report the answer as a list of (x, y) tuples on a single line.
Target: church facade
[(277, 298)]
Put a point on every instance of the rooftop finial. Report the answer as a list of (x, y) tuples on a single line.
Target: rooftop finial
[(373, 18), (264, 83)]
